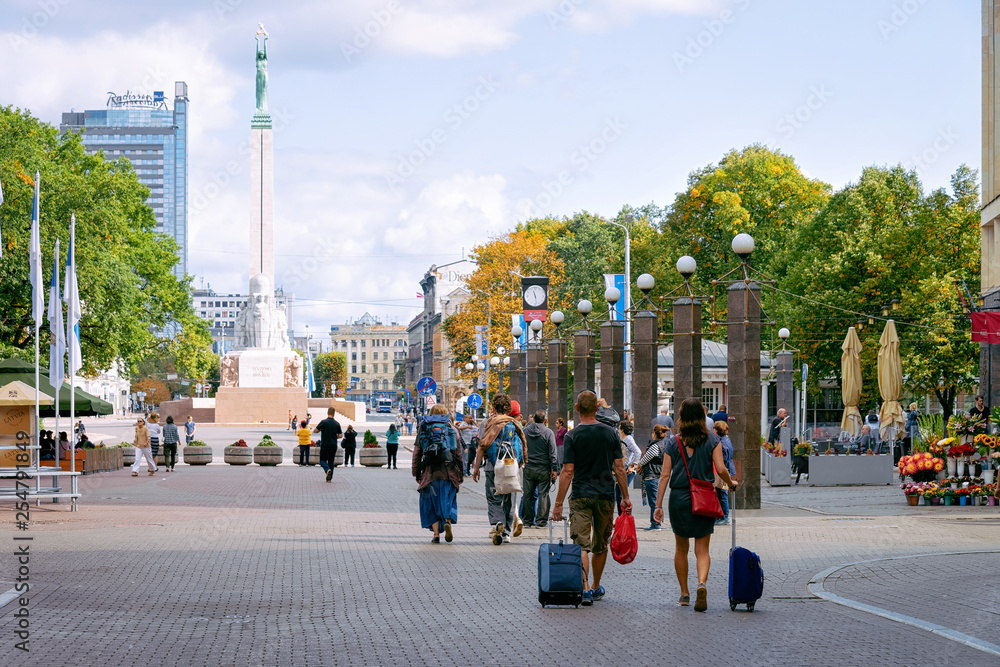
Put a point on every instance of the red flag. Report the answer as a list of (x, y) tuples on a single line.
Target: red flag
[(993, 327), (980, 330)]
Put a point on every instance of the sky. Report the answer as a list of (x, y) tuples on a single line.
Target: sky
[(406, 132)]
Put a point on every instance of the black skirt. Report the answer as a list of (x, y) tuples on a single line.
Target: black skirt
[(682, 521)]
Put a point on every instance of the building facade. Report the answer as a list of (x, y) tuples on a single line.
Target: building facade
[(375, 352), (220, 312), (154, 138)]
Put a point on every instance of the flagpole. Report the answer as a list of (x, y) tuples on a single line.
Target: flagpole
[(37, 304), (55, 327), (72, 343)]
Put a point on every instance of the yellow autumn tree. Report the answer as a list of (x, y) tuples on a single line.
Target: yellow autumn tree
[(495, 292)]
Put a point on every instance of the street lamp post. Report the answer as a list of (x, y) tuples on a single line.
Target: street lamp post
[(628, 309)]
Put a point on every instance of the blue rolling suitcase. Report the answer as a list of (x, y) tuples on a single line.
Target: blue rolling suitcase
[(560, 571), (746, 578)]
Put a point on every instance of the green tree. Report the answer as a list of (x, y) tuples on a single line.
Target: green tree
[(330, 368), (124, 267)]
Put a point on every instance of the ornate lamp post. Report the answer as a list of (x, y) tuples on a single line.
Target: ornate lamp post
[(584, 343)]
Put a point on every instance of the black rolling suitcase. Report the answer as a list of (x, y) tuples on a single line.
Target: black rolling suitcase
[(746, 577), (560, 571)]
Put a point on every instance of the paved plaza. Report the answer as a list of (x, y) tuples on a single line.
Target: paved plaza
[(224, 565)]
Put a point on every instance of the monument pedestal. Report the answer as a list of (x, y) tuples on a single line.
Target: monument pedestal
[(247, 405)]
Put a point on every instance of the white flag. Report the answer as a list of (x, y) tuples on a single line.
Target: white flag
[(72, 297), (57, 343), (35, 258)]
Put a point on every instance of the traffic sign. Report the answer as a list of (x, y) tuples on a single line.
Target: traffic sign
[(427, 386), (474, 401), (431, 400)]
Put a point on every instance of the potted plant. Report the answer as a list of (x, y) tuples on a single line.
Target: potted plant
[(198, 453), (267, 452), (913, 491), (372, 455), (238, 454), (949, 496), (965, 427), (921, 467)]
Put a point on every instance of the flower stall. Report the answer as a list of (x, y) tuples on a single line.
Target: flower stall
[(946, 471)]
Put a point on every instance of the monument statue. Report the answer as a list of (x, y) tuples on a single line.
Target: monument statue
[(230, 371), (261, 325), (293, 371), (261, 69)]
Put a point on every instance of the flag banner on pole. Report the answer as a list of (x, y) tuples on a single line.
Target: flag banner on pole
[(72, 296), (985, 327), (35, 256), (483, 350), (517, 320), (616, 280), (312, 378), (57, 341)]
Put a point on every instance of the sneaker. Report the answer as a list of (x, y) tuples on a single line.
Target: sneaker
[(598, 594), (506, 539), (329, 475), (652, 526), (518, 527), (497, 533), (447, 532), (588, 598), (436, 540), (701, 599)]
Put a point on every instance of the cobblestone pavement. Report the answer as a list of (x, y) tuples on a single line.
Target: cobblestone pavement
[(223, 565)]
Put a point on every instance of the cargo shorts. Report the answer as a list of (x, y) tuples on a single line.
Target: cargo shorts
[(590, 523)]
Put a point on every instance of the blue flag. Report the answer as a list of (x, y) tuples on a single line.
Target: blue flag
[(57, 341)]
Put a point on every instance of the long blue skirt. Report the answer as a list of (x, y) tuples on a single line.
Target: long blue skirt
[(438, 502)]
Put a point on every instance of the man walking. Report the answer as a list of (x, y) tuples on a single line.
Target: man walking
[(189, 428), (592, 463), (467, 430), (539, 470), (500, 432), (663, 419), (329, 430)]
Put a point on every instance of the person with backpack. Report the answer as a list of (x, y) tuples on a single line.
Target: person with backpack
[(391, 446), (500, 435), (437, 467), (539, 470)]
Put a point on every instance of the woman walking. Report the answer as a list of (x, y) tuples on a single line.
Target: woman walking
[(350, 444), (154, 433), (170, 439), (561, 432), (142, 448), (632, 455), (651, 465), (438, 484), (392, 445), (409, 425), (690, 455)]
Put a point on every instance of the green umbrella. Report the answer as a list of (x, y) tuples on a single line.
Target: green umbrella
[(86, 404)]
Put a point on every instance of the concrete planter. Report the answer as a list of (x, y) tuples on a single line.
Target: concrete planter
[(312, 459), (338, 458), (835, 470), (197, 455), (238, 456), (128, 456), (779, 470), (372, 457), (267, 456)]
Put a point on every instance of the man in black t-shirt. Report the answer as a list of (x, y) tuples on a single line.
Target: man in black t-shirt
[(329, 430), (592, 463)]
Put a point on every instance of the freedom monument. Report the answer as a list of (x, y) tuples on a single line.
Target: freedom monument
[(262, 376)]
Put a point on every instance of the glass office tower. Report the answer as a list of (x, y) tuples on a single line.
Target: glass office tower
[(154, 138)]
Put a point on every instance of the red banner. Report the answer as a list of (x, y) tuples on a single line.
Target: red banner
[(985, 327)]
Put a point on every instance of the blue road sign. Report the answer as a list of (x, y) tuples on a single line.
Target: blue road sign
[(474, 401), (427, 386)]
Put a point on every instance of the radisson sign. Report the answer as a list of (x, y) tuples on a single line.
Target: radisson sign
[(130, 100)]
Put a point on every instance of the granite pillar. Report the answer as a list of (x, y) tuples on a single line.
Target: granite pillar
[(558, 382), (534, 395), (645, 344), (687, 352), (584, 343), (744, 389), (514, 376), (613, 364)]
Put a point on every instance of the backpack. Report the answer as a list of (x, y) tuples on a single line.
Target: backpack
[(437, 441), (507, 441)]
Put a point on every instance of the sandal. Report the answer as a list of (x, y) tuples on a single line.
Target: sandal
[(135, 474), (684, 601), (701, 603)]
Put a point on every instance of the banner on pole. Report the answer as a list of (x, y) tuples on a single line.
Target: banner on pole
[(616, 280), (483, 350)]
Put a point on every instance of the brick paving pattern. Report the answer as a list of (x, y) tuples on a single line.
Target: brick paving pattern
[(224, 565)]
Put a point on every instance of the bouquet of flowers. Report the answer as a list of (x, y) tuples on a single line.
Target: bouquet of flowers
[(938, 447), (921, 467), (984, 444), (802, 449), (959, 451), (917, 488), (239, 443), (960, 425)]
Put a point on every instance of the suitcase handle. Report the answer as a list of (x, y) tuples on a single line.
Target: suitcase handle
[(565, 523), (732, 514)]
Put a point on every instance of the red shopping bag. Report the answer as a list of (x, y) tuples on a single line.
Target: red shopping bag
[(624, 544)]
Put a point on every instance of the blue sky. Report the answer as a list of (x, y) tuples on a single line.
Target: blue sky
[(452, 122)]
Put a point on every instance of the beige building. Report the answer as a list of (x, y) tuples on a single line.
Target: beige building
[(989, 365), (375, 351)]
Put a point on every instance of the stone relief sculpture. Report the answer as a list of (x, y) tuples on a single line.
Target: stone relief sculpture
[(230, 371), (293, 371)]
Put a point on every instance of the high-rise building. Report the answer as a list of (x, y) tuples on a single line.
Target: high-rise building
[(154, 138)]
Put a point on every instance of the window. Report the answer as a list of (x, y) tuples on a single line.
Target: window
[(354, 357), (364, 368), (354, 343), (385, 368), (354, 369), (364, 384), (363, 341), (710, 398), (363, 356)]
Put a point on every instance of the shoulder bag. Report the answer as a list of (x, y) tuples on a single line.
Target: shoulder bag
[(704, 500), (505, 473)]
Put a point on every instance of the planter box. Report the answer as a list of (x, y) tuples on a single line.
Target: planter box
[(779, 470), (128, 456), (849, 470), (338, 458), (312, 459), (267, 456), (238, 456), (197, 455), (372, 457), (99, 459)]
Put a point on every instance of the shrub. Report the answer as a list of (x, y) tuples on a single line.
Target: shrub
[(370, 440), (267, 441)]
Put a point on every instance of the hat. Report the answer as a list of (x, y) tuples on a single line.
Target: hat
[(515, 409)]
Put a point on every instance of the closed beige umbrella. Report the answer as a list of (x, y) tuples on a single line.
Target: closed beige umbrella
[(850, 389), (890, 382)]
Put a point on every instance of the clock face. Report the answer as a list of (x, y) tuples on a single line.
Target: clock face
[(534, 296)]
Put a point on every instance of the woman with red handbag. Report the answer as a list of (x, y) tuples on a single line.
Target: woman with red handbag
[(694, 505)]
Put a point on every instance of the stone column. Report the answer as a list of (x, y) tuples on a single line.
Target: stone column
[(613, 364), (584, 343), (687, 351), (558, 381), (744, 389), (785, 386), (514, 376), (261, 197), (645, 344), (534, 395)]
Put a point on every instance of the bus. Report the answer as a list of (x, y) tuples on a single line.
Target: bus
[(383, 405)]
